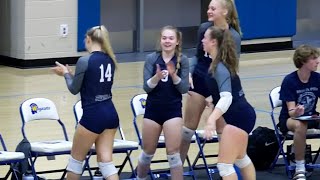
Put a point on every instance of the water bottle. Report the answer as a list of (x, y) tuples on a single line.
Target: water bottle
[(97, 175)]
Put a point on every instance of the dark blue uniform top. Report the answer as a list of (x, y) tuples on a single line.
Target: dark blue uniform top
[(203, 61), (93, 78), (222, 81), (165, 92), (240, 113)]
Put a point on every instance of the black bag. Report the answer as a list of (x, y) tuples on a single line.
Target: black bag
[(262, 147), (22, 167)]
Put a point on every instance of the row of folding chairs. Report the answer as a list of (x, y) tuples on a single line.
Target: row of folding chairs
[(40, 109)]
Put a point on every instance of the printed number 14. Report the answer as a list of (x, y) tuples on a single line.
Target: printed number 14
[(106, 74)]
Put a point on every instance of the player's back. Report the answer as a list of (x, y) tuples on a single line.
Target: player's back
[(98, 78)]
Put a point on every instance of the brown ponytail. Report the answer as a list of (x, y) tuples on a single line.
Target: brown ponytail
[(226, 50)]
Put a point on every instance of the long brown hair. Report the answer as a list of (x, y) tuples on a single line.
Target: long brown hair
[(100, 34), (178, 49), (226, 50), (232, 16)]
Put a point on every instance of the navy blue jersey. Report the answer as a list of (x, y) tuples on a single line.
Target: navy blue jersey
[(240, 113), (222, 81), (203, 59), (306, 94), (93, 78), (165, 92)]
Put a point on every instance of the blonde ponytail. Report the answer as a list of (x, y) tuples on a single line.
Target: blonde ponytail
[(100, 35)]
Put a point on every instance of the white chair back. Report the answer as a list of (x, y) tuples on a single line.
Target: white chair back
[(38, 109), (275, 97), (138, 104), (78, 110)]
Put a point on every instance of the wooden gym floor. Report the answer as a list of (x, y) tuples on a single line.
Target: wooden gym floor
[(260, 72)]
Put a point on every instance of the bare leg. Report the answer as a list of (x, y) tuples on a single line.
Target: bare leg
[(104, 148), (194, 108), (172, 136), (150, 136), (82, 142), (230, 149), (299, 139)]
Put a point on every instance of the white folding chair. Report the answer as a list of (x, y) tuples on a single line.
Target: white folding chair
[(8, 158), (276, 103), (122, 145), (138, 103), (43, 110)]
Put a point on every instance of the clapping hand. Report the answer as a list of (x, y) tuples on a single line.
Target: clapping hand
[(171, 68), (160, 74), (61, 69)]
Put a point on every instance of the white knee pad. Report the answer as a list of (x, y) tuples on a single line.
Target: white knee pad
[(174, 160), (74, 166), (225, 169), (145, 158), (187, 133), (107, 169), (244, 162)]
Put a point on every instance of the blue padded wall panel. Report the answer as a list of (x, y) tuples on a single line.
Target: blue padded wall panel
[(267, 18), (88, 16)]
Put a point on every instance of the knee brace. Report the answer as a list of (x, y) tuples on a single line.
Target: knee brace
[(187, 133), (241, 163), (107, 169), (74, 166), (225, 169), (174, 160), (145, 158)]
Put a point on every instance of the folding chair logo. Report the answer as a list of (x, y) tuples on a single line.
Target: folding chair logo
[(35, 109), (143, 102)]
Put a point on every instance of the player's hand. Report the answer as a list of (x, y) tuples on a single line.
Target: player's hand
[(171, 68), (60, 69), (160, 74), (209, 129)]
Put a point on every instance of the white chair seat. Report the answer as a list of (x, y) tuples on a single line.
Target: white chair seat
[(162, 139), (119, 144), (6, 155), (51, 146)]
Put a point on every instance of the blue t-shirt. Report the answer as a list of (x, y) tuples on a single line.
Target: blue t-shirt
[(306, 94)]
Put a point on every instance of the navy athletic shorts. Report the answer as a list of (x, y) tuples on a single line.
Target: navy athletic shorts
[(101, 116)]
